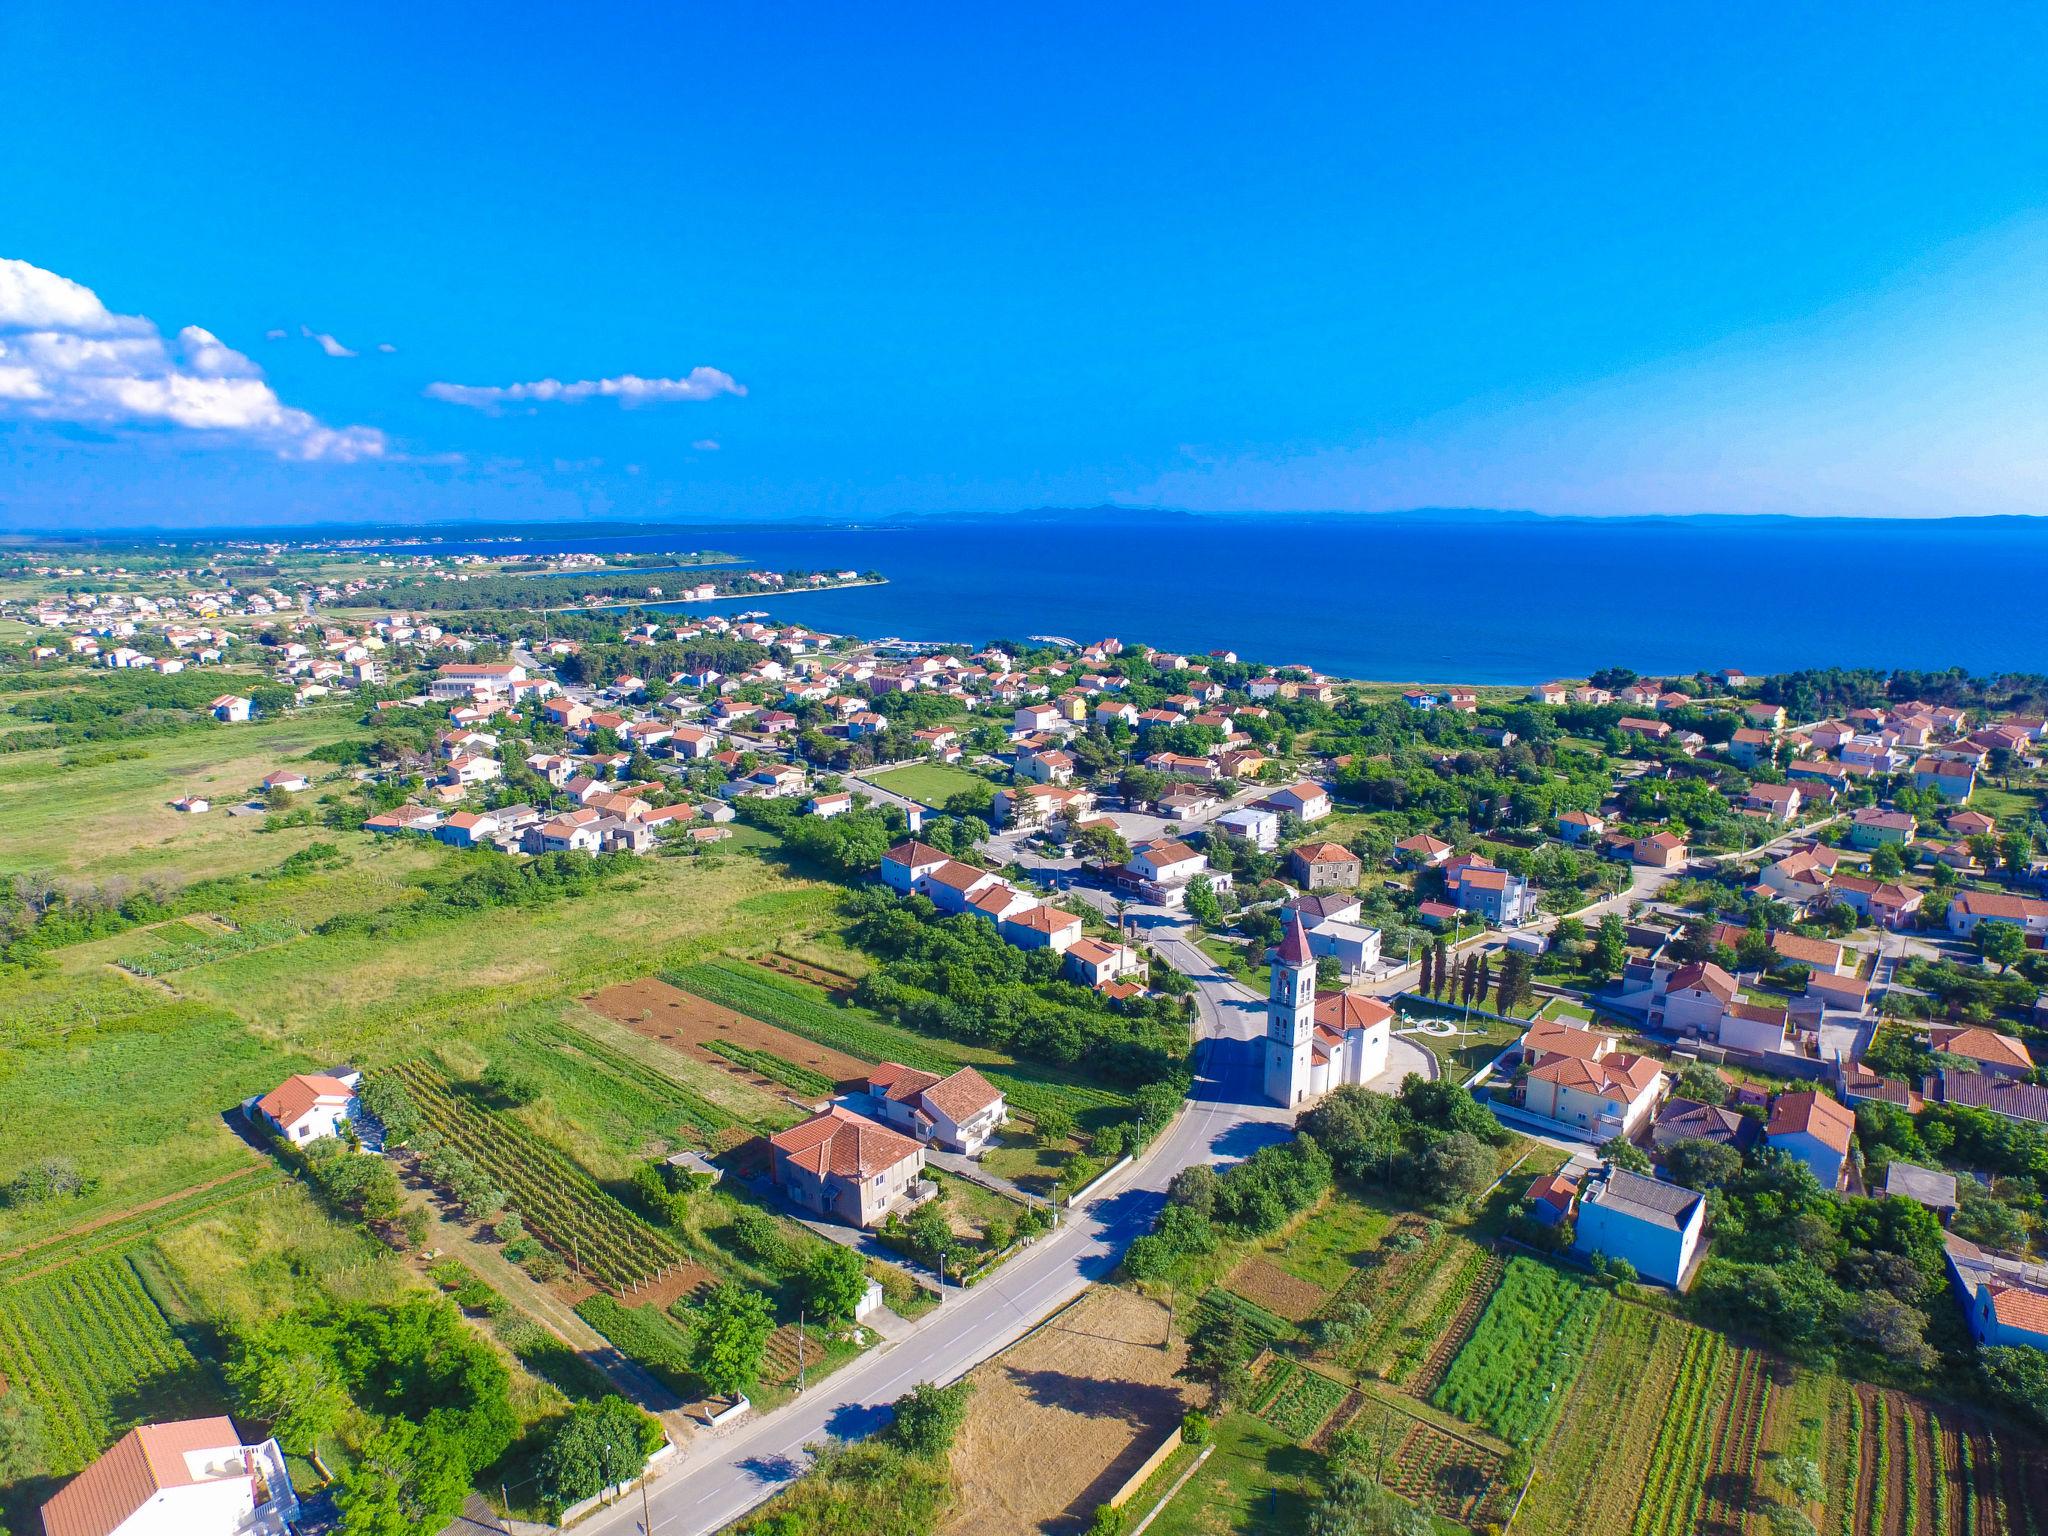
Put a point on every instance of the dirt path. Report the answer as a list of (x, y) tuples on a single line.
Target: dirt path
[(555, 1315)]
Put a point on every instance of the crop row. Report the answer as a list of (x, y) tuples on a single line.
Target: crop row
[(1439, 1472), (1390, 1282), (1592, 1466), (1525, 1352), (1261, 1327), (1272, 1381), (773, 1067), (1450, 1323), (858, 1032), (1739, 1440), (1854, 1453), (697, 1112), (1304, 1401), (562, 1205), (84, 1344), (1678, 1463), (181, 946)]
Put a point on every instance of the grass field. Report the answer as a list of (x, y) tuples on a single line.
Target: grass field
[(931, 784), (103, 809)]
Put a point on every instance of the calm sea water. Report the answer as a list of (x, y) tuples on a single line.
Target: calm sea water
[(1427, 600)]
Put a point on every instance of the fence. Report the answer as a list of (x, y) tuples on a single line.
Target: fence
[(1152, 1464)]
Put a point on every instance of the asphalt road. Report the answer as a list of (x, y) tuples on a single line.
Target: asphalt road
[(721, 1476)]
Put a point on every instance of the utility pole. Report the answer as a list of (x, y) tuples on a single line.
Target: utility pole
[(800, 1380), (646, 1515)]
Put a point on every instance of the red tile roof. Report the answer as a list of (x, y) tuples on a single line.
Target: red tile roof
[(138, 1466), (843, 1143), (1813, 1114), (300, 1092)]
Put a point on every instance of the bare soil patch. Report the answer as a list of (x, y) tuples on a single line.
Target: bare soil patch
[(1060, 1419), (686, 1022), (1258, 1279)]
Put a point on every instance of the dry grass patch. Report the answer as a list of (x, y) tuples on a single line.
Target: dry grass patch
[(1259, 1279), (1062, 1418)]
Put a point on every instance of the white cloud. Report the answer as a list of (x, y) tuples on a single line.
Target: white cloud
[(385, 346), (628, 389), (273, 335), (326, 344), (64, 357), (706, 445)]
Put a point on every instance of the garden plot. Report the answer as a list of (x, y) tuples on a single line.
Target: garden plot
[(1525, 1352), (1260, 1280)]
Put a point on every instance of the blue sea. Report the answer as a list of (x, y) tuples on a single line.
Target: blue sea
[(1421, 598)]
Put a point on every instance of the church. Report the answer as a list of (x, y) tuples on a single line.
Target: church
[(1311, 1046)]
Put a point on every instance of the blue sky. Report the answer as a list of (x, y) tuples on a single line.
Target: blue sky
[(888, 259)]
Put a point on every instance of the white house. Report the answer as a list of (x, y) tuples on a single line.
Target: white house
[(231, 707), (1971, 909), (1655, 1226), (1095, 964), (1304, 798), (309, 1105), (1256, 825), (958, 1112), (1041, 927), (904, 865), (193, 1477)]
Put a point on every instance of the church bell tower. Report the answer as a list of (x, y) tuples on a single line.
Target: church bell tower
[(1290, 1018)]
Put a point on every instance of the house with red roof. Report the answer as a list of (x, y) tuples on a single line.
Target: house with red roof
[(1817, 1130), (957, 1113), (1610, 1095), (191, 1477), (1971, 909), (846, 1167), (1999, 1055), (309, 1105), (2004, 1299)]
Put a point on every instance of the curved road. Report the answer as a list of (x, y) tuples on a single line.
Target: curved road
[(718, 1477)]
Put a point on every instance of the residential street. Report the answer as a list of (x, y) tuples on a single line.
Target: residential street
[(720, 1476)]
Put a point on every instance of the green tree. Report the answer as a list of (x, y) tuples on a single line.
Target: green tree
[(1624, 1153), (1887, 862), (834, 1282), (732, 1337), (21, 1438), (285, 1372), (407, 1480), (1610, 945), (2018, 1375), (1203, 905), (1698, 1163), (2003, 944), (928, 1417), (596, 1446), (1700, 1083)]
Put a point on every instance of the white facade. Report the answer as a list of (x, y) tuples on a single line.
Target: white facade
[(1290, 1023)]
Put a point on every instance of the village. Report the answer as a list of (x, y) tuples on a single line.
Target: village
[(1575, 987)]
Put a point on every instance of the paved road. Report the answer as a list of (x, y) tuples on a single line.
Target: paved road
[(719, 1477)]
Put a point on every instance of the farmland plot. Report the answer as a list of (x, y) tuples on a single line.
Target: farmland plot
[(560, 1203), (1524, 1354), (89, 1345)]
